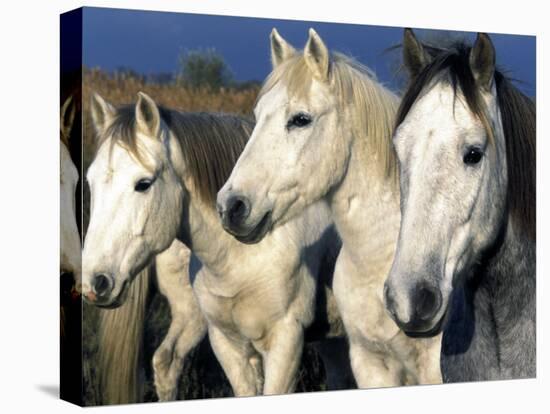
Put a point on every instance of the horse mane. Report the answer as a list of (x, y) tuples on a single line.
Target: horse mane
[(518, 116), (210, 142), (373, 106)]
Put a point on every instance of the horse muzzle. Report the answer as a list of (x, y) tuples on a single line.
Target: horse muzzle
[(102, 292), (418, 312), (235, 214)]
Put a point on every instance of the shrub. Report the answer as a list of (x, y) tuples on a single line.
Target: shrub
[(203, 68)]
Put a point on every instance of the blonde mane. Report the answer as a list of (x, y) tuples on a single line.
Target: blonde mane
[(372, 107)]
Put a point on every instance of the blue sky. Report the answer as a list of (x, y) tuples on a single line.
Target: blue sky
[(150, 42)]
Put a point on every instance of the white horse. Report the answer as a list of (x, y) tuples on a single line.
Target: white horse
[(71, 259), (323, 135), (154, 180), (70, 264), (121, 329), (465, 261)]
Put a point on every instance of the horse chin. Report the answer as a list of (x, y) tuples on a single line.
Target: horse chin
[(430, 332), (257, 233)]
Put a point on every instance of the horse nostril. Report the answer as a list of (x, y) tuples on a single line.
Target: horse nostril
[(102, 284), (238, 209), (427, 302)]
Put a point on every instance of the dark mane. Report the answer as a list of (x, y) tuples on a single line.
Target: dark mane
[(210, 142), (518, 120)]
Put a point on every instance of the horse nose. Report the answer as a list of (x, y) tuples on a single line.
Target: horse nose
[(237, 210), (102, 285), (426, 301)]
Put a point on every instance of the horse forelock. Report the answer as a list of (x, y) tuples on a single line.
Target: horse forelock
[(371, 106), (210, 143), (518, 116)]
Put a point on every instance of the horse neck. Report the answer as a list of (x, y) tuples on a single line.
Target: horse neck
[(508, 266), (366, 212), (507, 274), (200, 229), (204, 235)]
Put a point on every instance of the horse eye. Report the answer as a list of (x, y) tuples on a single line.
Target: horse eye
[(143, 185), (473, 156), (299, 120)]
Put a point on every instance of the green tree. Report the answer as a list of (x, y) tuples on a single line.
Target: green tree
[(203, 68)]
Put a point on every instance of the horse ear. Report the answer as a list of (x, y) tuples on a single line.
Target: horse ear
[(317, 56), (102, 113), (68, 111), (415, 56), (281, 50), (147, 115), (482, 61)]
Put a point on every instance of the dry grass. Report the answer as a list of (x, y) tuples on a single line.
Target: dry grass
[(121, 89)]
